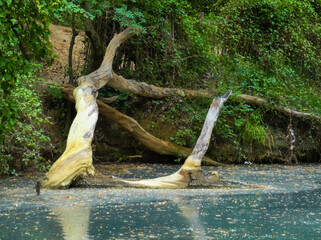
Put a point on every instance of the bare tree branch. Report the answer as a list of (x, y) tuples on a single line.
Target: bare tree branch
[(132, 126)]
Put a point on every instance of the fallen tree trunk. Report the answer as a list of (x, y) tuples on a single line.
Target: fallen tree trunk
[(262, 102), (147, 90), (130, 125), (188, 174)]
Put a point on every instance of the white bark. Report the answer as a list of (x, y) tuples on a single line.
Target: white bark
[(77, 158), (183, 177)]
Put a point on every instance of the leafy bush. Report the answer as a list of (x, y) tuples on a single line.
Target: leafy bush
[(26, 140), (24, 27), (271, 49)]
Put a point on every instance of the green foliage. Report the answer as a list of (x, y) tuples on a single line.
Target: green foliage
[(184, 137), (271, 49), (26, 140), (175, 49), (122, 99), (252, 128), (267, 48), (242, 126), (24, 27), (129, 18)]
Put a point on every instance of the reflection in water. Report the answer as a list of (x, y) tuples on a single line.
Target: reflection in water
[(74, 221), (191, 213)]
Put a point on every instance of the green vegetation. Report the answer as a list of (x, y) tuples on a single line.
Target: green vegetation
[(272, 49), (266, 48), (24, 27)]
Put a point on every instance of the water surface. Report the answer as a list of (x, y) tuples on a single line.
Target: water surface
[(286, 206)]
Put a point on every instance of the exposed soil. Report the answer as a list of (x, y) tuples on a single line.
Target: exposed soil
[(60, 39)]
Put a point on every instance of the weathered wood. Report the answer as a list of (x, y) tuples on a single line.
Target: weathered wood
[(76, 160), (195, 159), (148, 90), (102, 75), (191, 169), (262, 102), (132, 126)]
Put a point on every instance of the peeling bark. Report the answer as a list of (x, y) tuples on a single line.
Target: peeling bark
[(76, 161)]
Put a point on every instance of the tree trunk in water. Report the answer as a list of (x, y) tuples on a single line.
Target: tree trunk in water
[(191, 169), (189, 174), (76, 161)]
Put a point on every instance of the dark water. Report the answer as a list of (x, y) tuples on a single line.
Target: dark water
[(288, 207)]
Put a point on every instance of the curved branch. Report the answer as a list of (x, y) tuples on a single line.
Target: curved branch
[(191, 170), (104, 73), (76, 161)]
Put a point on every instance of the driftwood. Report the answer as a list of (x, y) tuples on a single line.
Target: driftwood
[(76, 161)]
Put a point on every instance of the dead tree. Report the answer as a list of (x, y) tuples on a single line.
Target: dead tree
[(76, 161)]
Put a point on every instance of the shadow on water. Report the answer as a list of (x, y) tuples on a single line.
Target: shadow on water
[(272, 213)]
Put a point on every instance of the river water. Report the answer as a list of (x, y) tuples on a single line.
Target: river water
[(284, 204)]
